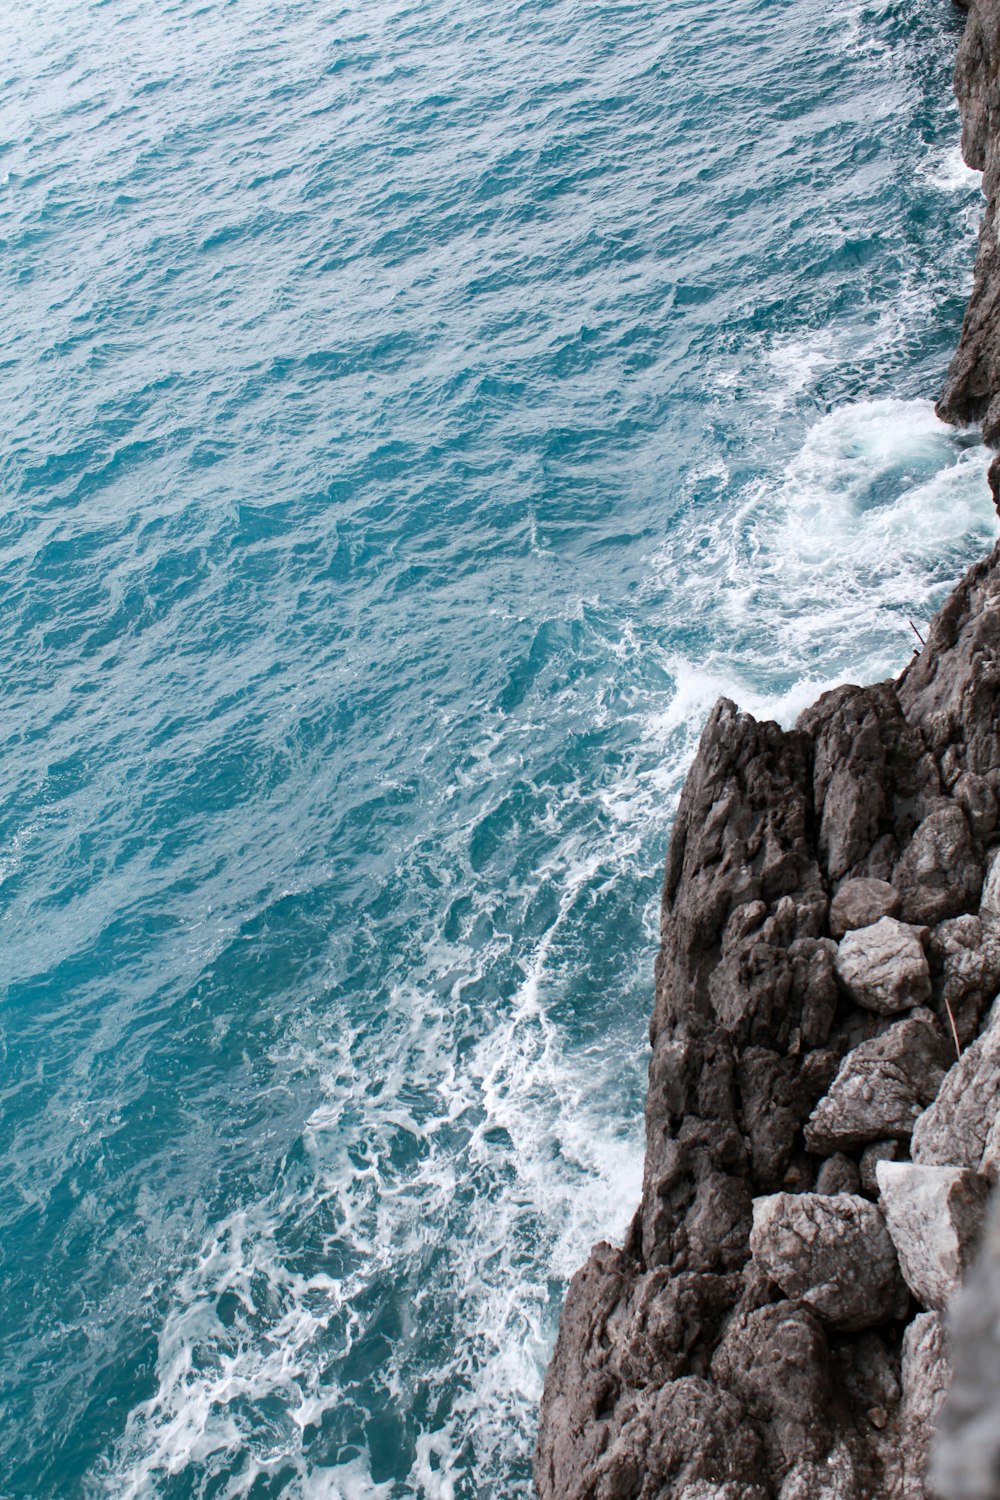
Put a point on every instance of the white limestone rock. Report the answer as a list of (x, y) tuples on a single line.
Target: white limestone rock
[(934, 1216)]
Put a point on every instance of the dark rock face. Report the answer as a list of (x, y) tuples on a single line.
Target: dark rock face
[(973, 383), (748, 1341), (859, 903)]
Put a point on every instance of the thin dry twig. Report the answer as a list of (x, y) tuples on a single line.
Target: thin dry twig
[(954, 1028)]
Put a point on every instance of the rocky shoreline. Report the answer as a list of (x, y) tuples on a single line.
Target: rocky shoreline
[(822, 1124)]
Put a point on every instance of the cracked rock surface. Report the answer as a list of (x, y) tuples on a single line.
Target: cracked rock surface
[(759, 1335), (934, 1216)]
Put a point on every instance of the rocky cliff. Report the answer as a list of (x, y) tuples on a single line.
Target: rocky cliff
[(822, 1112), (972, 390)]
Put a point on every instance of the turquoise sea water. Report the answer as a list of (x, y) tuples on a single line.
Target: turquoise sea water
[(412, 416)]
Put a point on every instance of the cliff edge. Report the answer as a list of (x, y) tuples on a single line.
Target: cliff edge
[(822, 1113), (972, 388)]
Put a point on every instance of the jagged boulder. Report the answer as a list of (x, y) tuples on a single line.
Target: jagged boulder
[(884, 967), (860, 902), (869, 763), (960, 1127), (965, 968), (934, 1216), (939, 874), (776, 1361), (832, 1253), (881, 1088)]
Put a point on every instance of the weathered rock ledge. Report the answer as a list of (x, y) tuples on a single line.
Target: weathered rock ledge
[(822, 1124)]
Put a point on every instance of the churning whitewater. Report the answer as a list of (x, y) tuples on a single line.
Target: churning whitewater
[(413, 419)]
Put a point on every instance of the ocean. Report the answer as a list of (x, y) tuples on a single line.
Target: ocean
[(413, 416)]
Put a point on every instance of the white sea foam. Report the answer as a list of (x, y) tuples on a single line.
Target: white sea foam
[(514, 1166), (796, 361), (949, 171), (462, 1158), (818, 571)]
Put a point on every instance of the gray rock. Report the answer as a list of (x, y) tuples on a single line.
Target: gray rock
[(884, 967), (666, 1318), (776, 1093), (866, 1367), (965, 969), (974, 373), (870, 1158), (860, 902), (959, 1127), (934, 1216), (832, 1253), (742, 966), (939, 874), (949, 692), (581, 1404), (977, 799), (965, 1458), (750, 1028), (836, 1478), (989, 901), (838, 1174), (687, 1437), (869, 763), (925, 1375), (777, 1363), (882, 1087)]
